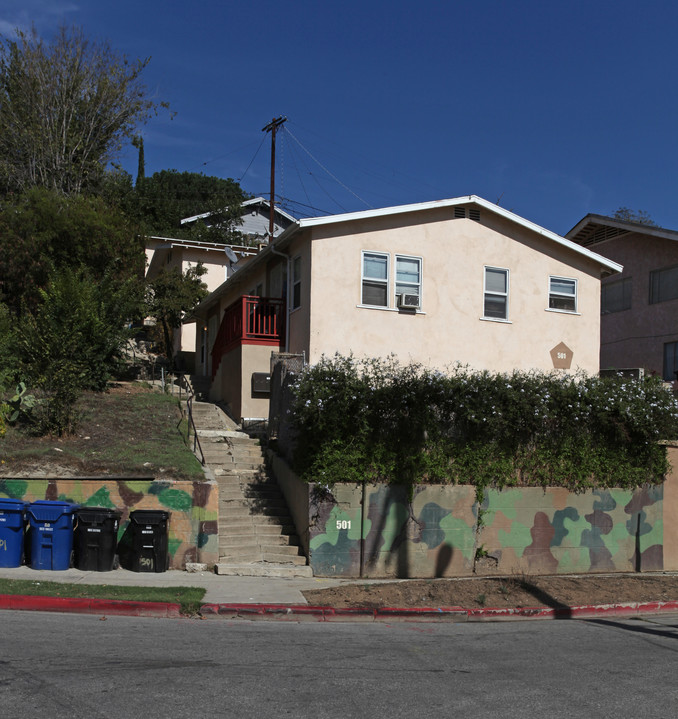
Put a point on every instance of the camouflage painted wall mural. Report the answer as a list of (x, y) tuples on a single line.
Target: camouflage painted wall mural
[(528, 530), (193, 507)]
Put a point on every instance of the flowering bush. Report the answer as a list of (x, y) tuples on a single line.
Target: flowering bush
[(377, 420)]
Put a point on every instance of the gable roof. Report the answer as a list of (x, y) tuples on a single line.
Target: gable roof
[(593, 229), (285, 237), (247, 203), (604, 262)]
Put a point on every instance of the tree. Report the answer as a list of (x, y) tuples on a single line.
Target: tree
[(168, 196), (73, 340), (171, 295), (66, 107), (639, 216), (42, 231)]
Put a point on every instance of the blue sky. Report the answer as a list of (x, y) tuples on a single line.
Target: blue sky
[(553, 109)]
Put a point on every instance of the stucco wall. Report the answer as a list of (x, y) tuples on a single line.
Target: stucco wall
[(193, 523), (449, 328), (636, 337), (671, 513), (255, 358), (299, 318), (296, 496), (227, 383), (233, 381)]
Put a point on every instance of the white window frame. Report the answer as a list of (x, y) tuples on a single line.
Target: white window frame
[(296, 282), (551, 293), (487, 292), (378, 280), (418, 285)]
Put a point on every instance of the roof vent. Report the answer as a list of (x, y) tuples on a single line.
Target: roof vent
[(459, 213), (474, 215)]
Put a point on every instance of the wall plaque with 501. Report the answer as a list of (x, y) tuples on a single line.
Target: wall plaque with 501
[(561, 356)]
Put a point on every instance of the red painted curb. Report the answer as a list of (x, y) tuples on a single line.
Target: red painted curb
[(300, 612), (297, 612), (118, 607)]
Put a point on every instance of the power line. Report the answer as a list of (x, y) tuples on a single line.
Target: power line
[(301, 181), (336, 179), (370, 173), (288, 200), (253, 159), (221, 157)]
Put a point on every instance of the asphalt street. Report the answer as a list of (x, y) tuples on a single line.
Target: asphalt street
[(65, 665)]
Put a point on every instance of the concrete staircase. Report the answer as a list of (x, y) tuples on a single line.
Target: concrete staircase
[(256, 534)]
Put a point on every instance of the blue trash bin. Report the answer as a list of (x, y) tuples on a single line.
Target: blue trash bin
[(12, 521), (51, 534)]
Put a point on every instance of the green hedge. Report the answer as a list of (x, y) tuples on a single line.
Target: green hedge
[(377, 420)]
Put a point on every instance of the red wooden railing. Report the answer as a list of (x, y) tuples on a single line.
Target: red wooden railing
[(249, 320)]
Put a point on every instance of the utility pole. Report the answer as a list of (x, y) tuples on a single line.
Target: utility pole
[(272, 127)]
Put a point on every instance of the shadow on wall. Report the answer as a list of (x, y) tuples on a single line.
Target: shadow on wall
[(394, 531), (443, 560)]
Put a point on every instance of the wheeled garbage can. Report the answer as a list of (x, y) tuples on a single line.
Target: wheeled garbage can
[(149, 540), (96, 538), (50, 526), (12, 521)]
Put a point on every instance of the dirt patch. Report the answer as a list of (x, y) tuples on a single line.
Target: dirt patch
[(131, 429), (501, 592)]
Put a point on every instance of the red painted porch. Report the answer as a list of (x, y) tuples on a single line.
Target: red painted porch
[(250, 320)]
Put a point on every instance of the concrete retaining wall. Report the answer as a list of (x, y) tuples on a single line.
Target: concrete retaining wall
[(526, 530), (193, 506)]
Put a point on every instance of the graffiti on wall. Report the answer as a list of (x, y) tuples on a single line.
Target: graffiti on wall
[(193, 524), (439, 533)]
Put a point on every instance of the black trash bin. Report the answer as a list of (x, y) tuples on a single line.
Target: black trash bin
[(96, 538), (149, 540)]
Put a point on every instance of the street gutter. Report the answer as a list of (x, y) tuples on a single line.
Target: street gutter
[(303, 612)]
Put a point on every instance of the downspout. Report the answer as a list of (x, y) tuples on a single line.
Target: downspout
[(362, 533), (287, 297)]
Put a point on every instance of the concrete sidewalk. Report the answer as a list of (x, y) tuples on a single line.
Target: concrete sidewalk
[(275, 598), (221, 589)]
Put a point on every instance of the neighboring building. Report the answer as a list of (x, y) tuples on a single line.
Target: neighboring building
[(165, 253), (458, 280), (255, 220), (639, 308)]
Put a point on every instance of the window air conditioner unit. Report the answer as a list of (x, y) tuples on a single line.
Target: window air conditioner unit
[(408, 302)]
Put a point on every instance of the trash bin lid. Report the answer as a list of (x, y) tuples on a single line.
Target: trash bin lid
[(45, 510), (149, 516), (97, 514), (12, 505)]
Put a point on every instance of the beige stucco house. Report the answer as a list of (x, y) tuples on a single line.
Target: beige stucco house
[(639, 308), (459, 280)]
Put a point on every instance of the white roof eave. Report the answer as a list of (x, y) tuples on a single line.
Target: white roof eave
[(465, 200), (298, 225), (246, 203)]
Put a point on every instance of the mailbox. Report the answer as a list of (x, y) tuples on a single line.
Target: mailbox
[(261, 383)]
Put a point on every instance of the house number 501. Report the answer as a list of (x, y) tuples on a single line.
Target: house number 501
[(343, 523), (562, 355)]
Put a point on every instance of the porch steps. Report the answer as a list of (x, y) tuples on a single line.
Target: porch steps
[(201, 385), (256, 533)]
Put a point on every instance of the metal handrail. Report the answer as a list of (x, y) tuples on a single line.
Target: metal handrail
[(189, 412)]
